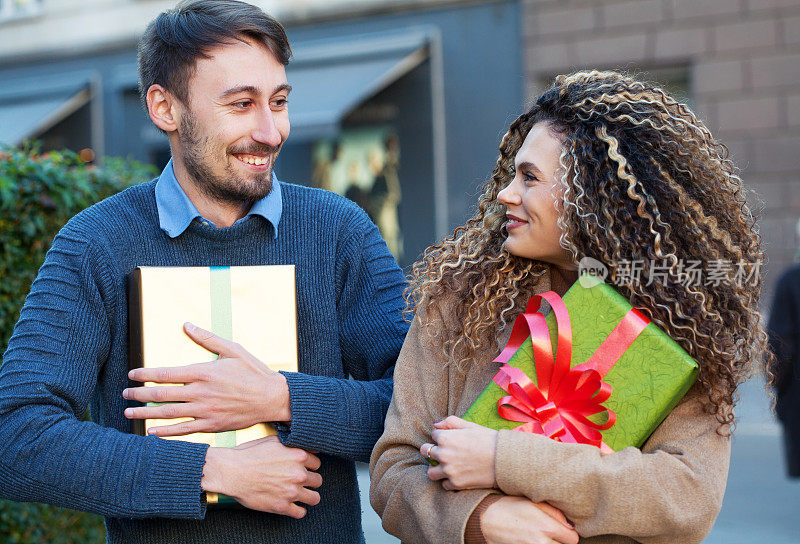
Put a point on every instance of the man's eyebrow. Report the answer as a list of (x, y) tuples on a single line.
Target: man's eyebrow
[(527, 165), (283, 87), (240, 89), (253, 90)]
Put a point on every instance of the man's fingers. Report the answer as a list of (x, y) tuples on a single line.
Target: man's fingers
[(178, 429), (313, 480), (256, 442), (165, 411), (177, 393), (172, 374), (210, 341), (295, 511), (309, 497), (313, 462)]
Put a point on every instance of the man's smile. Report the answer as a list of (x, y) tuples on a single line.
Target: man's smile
[(259, 161)]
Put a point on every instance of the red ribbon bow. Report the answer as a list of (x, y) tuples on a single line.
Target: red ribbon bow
[(559, 406)]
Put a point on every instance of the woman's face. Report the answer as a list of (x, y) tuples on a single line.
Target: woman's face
[(531, 199)]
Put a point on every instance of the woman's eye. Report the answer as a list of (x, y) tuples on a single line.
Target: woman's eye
[(529, 178)]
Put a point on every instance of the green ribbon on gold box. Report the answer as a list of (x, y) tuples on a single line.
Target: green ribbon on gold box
[(254, 306)]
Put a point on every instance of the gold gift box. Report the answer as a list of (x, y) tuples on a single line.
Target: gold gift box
[(255, 306)]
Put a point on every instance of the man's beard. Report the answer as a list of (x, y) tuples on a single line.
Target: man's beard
[(232, 188)]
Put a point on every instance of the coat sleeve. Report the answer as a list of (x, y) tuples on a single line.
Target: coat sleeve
[(412, 507), (50, 370), (344, 417), (669, 491)]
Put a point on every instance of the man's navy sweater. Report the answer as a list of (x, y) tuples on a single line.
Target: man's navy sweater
[(69, 352)]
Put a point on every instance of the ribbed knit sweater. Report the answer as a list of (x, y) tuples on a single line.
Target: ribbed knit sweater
[(69, 352)]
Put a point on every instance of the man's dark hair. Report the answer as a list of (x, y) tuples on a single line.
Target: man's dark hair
[(175, 39)]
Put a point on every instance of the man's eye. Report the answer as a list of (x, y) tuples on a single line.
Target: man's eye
[(280, 103), (243, 104)]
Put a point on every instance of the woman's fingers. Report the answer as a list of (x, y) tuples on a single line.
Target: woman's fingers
[(453, 422), (565, 535), (436, 473), (428, 451), (554, 513)]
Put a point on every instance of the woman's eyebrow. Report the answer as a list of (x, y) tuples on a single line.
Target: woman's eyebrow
[(528, 165)]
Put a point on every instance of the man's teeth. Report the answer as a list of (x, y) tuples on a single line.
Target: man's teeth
[(255, 161)]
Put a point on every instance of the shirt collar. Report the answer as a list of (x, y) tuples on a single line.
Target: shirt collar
[(176, 211)]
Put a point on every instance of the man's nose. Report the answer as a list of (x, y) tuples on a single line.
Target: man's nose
[(266, 131)]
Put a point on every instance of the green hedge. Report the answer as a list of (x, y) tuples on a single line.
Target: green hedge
[(38, 194)]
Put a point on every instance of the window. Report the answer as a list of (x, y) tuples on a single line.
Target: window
[(18, 9)]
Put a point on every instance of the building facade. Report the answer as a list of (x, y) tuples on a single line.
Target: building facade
[(737, 61), (402, 103), (398, 105)]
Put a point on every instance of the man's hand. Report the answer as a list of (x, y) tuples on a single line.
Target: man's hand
[(464, 452), (264, 475), (234, 392), (517, 520)]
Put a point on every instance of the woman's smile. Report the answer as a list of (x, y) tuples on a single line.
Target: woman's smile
[(514, 222)]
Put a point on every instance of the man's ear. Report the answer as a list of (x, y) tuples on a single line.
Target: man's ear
[(161, 106)]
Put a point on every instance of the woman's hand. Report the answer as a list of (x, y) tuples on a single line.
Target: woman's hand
[(465, 453), (517, 520)]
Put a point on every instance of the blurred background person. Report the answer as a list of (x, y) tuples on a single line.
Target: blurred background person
[(784, 336)]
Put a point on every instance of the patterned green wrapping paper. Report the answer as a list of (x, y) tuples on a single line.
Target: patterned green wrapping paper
[(648, 380)]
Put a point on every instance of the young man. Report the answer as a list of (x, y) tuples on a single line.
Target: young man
[(212, 76)]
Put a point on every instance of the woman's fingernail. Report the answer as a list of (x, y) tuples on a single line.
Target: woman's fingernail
[(189, 326)]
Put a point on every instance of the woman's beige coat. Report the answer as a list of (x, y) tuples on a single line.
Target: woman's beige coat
[(670, 491)]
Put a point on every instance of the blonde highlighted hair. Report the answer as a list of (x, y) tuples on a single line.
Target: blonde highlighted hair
[(643, 180)]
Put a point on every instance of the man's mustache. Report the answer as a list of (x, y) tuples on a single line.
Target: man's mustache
[(256, 150)]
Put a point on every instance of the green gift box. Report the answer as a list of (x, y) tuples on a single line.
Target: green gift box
[(648, 372)]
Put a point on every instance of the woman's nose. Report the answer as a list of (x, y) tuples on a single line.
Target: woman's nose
[(509, 195)]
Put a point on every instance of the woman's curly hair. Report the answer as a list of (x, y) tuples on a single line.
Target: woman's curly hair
[(643, 181)]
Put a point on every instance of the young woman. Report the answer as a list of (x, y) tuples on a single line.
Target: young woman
[(611, 168)]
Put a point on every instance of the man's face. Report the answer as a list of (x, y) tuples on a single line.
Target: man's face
[(234, 123)]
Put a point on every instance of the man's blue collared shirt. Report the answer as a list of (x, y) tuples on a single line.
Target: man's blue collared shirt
[(176, 211)]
